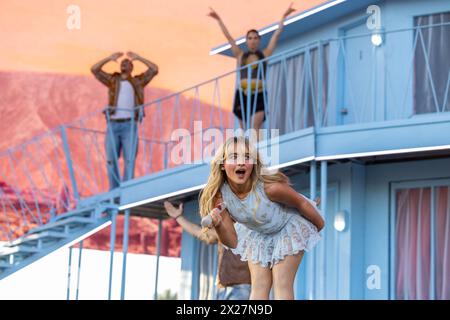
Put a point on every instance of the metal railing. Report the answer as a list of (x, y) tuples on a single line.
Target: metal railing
[(339, 81)]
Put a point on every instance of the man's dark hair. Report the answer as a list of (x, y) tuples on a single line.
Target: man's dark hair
[(126, 59)]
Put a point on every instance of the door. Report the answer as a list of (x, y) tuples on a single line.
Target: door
[(356, 61)]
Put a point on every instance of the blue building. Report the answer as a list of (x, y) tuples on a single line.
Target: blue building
[(360, 94)]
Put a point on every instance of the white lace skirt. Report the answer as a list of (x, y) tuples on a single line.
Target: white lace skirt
[(297, 235)]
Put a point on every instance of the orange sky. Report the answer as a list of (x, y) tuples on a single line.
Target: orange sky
[(177, 35)]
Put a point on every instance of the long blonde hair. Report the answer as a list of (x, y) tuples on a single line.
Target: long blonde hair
[(217, 177)]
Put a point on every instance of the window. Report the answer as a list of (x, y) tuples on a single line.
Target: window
[(432, 64), (293, 90), (422, 243)]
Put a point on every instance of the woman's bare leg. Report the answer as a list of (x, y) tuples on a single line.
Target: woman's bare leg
[(258, 119), (261, 279), (283, 277)]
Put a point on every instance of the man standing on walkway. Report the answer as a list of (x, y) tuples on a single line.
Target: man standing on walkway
[(125, 100)]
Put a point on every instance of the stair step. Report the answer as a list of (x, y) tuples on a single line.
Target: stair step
[(62, 224), (86, 211), (77, 213), (17, 257), (36, 237), (6, 251)]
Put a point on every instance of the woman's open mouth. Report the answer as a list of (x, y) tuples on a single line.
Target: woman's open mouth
[(240, 173)]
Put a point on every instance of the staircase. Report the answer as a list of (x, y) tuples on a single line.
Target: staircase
[(63, 230)]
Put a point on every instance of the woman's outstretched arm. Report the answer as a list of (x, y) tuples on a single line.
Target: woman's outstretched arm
[(274, 40), (224, 226), (283, 193), (237, 52)]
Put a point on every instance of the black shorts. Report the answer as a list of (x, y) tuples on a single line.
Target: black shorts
[(260, 106)]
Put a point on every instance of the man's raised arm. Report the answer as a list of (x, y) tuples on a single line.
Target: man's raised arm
[(101, 75)]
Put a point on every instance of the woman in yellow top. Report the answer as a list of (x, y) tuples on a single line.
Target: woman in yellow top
[(252, 55)]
